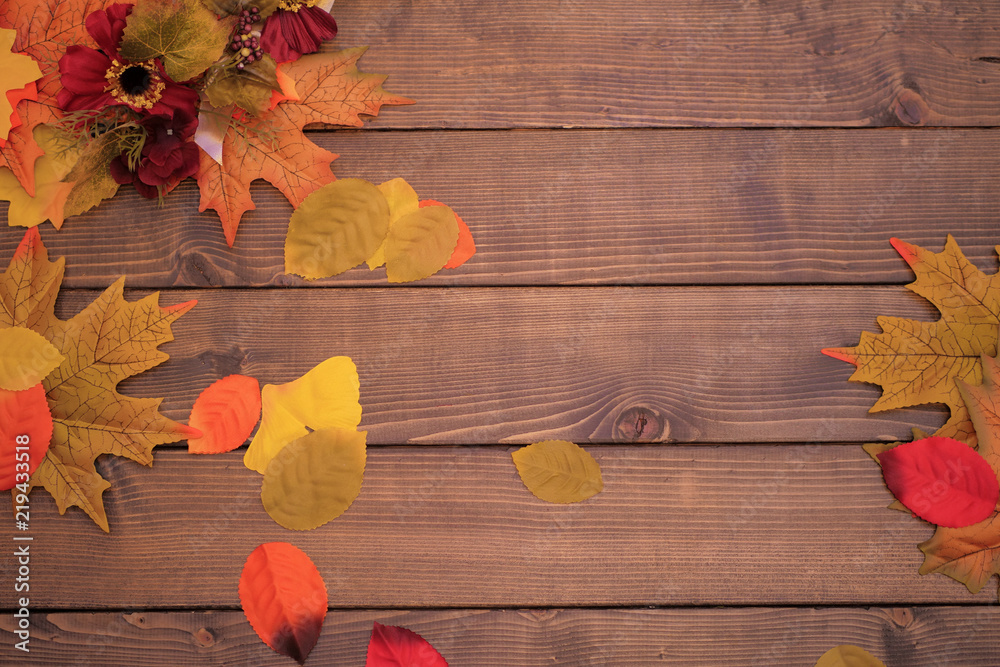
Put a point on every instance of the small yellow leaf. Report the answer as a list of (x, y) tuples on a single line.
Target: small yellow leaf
[(25, 358), (315, 478), (328, 396), (16, 71), (558, 471), (420, 244), (336, 228), (402, 200), (847, 655)]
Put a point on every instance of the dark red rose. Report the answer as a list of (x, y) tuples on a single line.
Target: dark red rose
[(290, 33), (94, 79), (168, 155)]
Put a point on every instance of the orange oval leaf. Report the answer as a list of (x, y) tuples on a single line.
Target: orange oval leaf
[(225, 413), (284, 598), (25, 421)]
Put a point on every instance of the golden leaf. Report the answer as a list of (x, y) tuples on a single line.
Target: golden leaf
[(106, 342), (558, 471), (249, 88), (420, 244), (847, 655), (183, 34), (315, 478), (336, 228), (403, 200), (328, 396), (25, 358)]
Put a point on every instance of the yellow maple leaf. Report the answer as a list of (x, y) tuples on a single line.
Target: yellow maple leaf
[(917, 363), (16, 71), (108, 341)]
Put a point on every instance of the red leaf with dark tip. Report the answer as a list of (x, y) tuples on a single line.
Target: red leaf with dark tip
[(23, 414), (392, 646), (225, 413), (284, 598), (941, 480)]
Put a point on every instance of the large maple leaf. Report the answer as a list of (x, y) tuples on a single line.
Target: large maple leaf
[(917, 363), (273, 146), (44, 29), (971, 555), (108, 341)]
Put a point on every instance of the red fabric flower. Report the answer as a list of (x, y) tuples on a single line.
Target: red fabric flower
[(299, 29), (95, 79), (168, 155)]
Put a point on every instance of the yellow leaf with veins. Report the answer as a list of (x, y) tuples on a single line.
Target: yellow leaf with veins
[(108, 341), (917, 363)]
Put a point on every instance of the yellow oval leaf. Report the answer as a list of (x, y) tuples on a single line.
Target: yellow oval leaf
[(847, 655), (314, 479), (402, 200), (25, 358), (336, 228), (420, 244), (558, 471), (328, 396)]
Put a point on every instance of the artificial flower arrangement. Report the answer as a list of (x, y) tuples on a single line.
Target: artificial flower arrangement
[(98, 95)]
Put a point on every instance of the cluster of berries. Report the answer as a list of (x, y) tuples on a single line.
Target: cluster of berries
[(246, 44)]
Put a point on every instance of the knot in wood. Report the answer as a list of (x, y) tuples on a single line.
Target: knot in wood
[(641, 424), (204, 637), (910, 108), (901, 617)]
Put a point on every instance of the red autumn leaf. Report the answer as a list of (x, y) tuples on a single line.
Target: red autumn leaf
[(392, 646), (466, 247), (24, 420), (225, 413), (284, 598), (941, 480)]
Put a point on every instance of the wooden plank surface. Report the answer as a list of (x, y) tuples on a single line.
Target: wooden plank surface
[(482, 366), (598, 207), (555, 63), (455, 527), (776, 637)]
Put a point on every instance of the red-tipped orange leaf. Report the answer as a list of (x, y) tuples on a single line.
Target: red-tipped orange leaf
[(284, 598), (225, 413)]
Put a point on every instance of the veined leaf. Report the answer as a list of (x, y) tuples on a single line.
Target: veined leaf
[(558, 471), (225, 413), (393, 646), (284, 598), (25, 358), (847, 655), (315, 479), (24, 422), (184, 34)]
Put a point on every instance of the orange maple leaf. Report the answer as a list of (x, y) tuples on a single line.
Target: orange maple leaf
[(108, 341), (44, 29), (273, 147)]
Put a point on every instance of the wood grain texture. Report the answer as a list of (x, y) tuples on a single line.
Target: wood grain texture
[(555, 63), (455, 527), (598, 207), (518, 365), (771, 637)]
